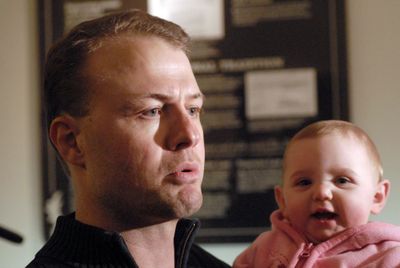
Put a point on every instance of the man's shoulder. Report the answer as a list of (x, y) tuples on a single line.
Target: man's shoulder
[(39, 262), (199, 258)]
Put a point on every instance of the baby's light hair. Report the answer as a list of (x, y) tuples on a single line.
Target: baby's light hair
[(326, 127)]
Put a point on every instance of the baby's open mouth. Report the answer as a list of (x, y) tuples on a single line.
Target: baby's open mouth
[(324, 215)]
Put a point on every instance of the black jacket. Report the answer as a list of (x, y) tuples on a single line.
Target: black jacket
[(74, 244)]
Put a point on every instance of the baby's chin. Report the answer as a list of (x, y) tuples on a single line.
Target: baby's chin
[(317, 238)]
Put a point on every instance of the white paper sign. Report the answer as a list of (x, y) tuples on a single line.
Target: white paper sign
[(281, 93), (76, 12), (200, 19)]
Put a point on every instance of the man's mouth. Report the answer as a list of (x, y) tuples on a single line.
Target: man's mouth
[(185, 173), (186, 167), (181, 171)]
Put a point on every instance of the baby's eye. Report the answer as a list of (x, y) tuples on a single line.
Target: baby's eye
[(303, 182), (342, 180)]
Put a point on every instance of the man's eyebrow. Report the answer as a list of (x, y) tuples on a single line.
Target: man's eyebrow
[(165, 97), (198, 96)]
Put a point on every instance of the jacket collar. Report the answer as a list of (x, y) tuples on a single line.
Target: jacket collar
[(77, 243)]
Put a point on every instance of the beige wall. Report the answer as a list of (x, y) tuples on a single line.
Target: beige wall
[(374, 70), (19, 133), (374, 82)]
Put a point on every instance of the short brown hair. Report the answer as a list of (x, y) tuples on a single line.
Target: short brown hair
[(326, 127), (64, 87)]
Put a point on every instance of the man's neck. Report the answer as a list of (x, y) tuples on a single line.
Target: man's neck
[(152, 246)]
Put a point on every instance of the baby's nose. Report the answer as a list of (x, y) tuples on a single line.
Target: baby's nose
[(322, 192)]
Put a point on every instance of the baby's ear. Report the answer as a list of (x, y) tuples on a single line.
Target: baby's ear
[(279, 198), (381, 195)]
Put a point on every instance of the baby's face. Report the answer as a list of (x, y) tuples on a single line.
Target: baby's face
[(330, 184)]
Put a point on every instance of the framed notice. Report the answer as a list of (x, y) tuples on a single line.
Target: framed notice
[(267, 68)]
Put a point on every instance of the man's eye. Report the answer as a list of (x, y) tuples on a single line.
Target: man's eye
[(152, 112), (194, 111)]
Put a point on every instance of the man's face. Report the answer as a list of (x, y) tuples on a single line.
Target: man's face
[(330, 184), (142, 140)]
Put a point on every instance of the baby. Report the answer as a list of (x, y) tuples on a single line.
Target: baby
[(332, 182)]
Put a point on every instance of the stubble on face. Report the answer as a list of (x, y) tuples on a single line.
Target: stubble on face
[(150, 208)]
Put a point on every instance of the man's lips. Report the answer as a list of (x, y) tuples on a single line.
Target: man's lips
[(188, 172)]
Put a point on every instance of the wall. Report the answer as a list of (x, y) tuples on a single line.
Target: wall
[(19, 134), (374, 72), (374, 69)]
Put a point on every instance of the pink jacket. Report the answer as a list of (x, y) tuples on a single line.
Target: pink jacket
[(374, 244)]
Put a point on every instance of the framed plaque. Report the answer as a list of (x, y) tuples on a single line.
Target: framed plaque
[(267, 68)]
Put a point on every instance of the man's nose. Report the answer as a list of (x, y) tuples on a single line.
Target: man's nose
[(322, 192), (183, 130)]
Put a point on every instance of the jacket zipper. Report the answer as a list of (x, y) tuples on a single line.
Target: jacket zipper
[(306, 251), (185, 245)]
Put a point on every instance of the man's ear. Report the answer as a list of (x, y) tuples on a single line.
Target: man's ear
[(279, 198), (63, 134), (380, 197)]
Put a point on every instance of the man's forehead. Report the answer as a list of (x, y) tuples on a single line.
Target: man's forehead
[(112, 55), (134, 53)]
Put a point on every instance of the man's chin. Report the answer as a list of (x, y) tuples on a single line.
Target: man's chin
[(189, 204)]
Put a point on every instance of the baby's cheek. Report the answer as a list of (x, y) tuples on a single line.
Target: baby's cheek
[(355, 214)]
